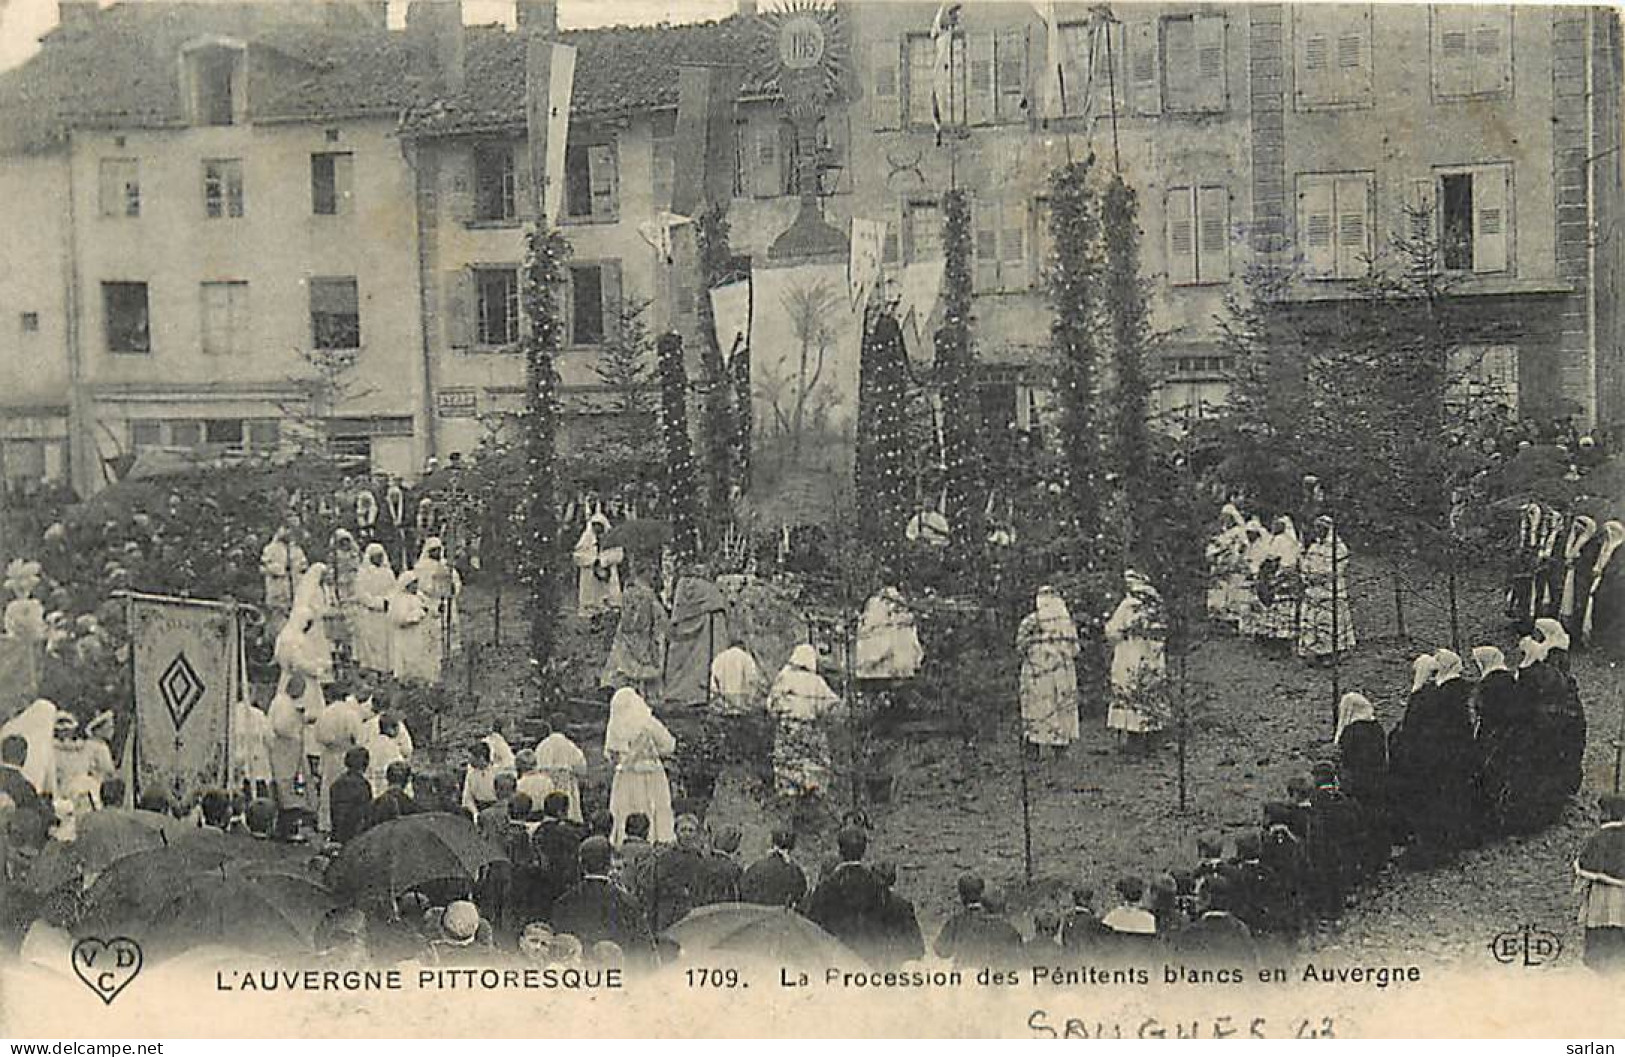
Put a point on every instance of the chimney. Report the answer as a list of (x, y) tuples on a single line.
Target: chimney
[(441, 21), (537, 17), (747, 8), (76, 12)]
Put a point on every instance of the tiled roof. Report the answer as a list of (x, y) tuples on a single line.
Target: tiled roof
[(120, 69)]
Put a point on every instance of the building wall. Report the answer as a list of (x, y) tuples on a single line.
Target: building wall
[(34, 374), (276, 247)]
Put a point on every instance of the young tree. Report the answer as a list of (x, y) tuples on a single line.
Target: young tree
[(627, 367), (882, 455), (682, 484), (962, 426), (794, 392)]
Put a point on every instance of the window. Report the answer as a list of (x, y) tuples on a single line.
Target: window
[(922, 231), (225, 318), (1482, 374), (1331, 55), (223, 187), (495, 190), (120, 187), (1077, 59), (1198, 235), (1193, 63), (335, 314), (590, 184), (30, 322), (1472, 206), (594, 302), (497, 292), (264, 434), (223, 431), (332, 181), (216, 75), (996, 77), (124, 313), (923, 108), (1472, 50), (1334, 225), (1000, 234), (770, 158), (145, 433), (185, 434)]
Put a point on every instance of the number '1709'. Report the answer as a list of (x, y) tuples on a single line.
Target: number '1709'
[(712, 977)]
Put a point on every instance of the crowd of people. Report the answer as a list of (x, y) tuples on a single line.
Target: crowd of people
[(1274, 586), (1565, 569)]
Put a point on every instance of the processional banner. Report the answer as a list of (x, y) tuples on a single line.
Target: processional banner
[(187, 674)]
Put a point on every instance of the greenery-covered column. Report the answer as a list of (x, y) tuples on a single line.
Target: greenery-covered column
[(682, 485), (962, 417), (882, 456), (721, 429), (1130, 337), (546, 252)]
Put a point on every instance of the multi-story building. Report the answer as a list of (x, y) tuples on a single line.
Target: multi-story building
[(245, 187)]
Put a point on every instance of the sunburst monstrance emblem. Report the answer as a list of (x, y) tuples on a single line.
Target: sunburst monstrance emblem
[(808, 40)]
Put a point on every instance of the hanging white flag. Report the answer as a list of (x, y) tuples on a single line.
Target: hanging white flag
[(657, 232), (943, 30), (1054, 78), (730, 311), (863, 267), (561, 81)]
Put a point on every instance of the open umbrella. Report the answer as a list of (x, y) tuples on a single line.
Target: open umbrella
[(409, 851), (775, 934), (101, 838), (130, 887), (269, 911), (645, 535)]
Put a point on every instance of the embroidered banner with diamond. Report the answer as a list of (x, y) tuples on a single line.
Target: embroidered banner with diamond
[(185, 660)]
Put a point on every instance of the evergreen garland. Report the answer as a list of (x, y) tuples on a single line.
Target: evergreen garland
[(720, 429), (545, 254), (882, 451), (955, 373), (682, 486), (1074, 230), (1128, 313)]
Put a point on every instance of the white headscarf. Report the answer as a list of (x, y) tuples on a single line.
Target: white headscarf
[(1449, 662), (1353, 708), (311, 595), (1533, 652), (1489, 659), (1285, 545), (1257, 549), (429, 544), (1423, 669), (1054, 619), (629, 714), (1551, 634), (805, 657)]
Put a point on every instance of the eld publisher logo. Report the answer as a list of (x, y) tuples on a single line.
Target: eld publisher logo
[(1527, 946)]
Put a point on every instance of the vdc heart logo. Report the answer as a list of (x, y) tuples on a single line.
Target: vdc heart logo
[(107, 966)]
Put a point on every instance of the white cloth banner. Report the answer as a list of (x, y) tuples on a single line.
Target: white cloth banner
[(730, 310), (561, 82), (863, 267), (919, 289), (658, 232), (36, 725)]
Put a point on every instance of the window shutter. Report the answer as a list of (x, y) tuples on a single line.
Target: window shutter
[(1013, 246), (458, 310), (985, 225), (601, 171), (1491, 62), (980, 74), (1181, 235), (566, 304), (457, 185), (1074, 52), (1316, 240), (1013, 75), (1353, 199), (1354, 56), (1144, 77), (767, 169), (610, 283), (1452, 50), (885, 61), (1491, 222), (1213, 234), (344, 183), (1210, 72)]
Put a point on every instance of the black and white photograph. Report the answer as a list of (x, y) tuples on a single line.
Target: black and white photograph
[(811, 518)]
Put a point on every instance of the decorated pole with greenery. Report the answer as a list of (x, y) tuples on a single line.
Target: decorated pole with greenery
[(721, 428), (882, 454), (682, 485), (1130, 330), (546, 252), (962, 419)]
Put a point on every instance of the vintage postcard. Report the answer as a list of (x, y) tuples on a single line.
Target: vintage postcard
[(866, 519)]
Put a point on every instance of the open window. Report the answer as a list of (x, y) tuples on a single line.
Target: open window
[(591, 183), (496, 188), (496, 292), (335, 314), (594, 302), (332, 182), (1472, 207), (223, 188), (125, 317)]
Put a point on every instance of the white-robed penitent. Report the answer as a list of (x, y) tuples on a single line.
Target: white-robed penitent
[(736, 681), (340, 728), (251, 741), (1320, 582), (561, 763), (1137, 630), (374, 586), (803, 706), (414, 639), (1047, 641), (888, 644), (1280, 575), (1229, 578), (598, 582), (439, 586), (281, 563), (635, 742), (36, 725), (1257, 550)]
